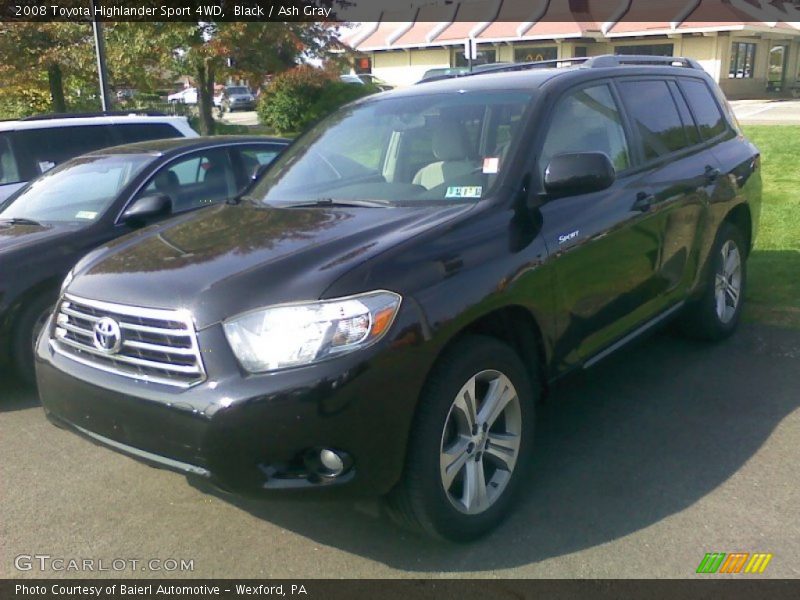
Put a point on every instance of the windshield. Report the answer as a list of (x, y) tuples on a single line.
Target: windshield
[(238, 90), (78, 191), (446, 147)]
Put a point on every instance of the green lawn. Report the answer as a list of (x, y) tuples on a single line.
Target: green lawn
[(774, 268)]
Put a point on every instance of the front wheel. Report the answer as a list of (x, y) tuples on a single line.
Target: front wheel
[(717, 313), (470, 444)]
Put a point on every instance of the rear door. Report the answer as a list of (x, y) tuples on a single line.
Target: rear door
[(681, 174)]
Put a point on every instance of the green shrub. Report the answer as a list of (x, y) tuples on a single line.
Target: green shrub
[(303, 95)]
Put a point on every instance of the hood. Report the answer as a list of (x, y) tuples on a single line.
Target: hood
[(229, 259), (13, 237)]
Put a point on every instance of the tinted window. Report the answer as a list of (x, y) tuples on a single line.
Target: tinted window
[(9, 171), (141, 132), (705, 108), (46, 148), (689, 126), (196, 180), (587, 121), (654, 116), (78, 191)]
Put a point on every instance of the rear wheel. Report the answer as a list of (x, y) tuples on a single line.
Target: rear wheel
[(30, 324), (470, 444), (717, 313)]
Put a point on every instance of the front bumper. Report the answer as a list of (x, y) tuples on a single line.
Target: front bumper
[(250, 433)]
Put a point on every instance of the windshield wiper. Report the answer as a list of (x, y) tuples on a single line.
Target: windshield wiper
[(20, 221), (341, 202)]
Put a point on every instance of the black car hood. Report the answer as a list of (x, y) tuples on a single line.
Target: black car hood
[(17, 236), (229, 259)]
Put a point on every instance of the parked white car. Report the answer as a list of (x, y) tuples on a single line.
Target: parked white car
[(187, 96)]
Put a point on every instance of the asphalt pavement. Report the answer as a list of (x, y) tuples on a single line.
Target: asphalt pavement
[(663, 452)]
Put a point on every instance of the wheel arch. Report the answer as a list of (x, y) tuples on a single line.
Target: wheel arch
[(49, 286), (740, 217), (514, 325)]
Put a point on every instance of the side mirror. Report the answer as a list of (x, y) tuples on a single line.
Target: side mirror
[(147, 208), (579, 173)]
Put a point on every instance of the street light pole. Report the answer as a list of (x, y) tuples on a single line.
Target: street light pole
[(100, 51)]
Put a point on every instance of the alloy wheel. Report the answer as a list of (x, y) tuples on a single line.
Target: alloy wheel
[(728, 282), (480, 442)]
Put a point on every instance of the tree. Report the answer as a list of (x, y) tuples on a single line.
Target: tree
[(244, 49), (37, 54)]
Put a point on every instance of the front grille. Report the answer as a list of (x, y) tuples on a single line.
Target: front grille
[(145, 343)]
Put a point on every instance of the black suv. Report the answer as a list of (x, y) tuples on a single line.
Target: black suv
[(383, 310)]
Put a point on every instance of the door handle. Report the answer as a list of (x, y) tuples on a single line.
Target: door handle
[(643, 202), (712, 174)]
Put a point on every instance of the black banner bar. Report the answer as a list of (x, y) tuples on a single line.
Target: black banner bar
[(429, 589), (724, 11)]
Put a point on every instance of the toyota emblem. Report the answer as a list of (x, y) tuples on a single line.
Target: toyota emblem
[(107, 335)]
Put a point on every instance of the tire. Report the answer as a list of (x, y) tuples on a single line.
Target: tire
[(30, 323), (708, 318), (437, 501)]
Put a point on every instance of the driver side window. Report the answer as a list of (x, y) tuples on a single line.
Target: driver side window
[(587, 120), (196, 180)]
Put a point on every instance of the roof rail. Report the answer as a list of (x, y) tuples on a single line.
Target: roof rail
[(593, 62), (611, 60), (524, 66), (111, 113)]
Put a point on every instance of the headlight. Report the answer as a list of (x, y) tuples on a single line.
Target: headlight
[(301, 334), (67, 281)]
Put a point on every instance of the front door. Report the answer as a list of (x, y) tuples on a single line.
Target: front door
[(604, 253)]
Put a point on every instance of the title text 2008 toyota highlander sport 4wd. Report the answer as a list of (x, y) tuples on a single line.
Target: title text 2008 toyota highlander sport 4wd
[(381, 311)]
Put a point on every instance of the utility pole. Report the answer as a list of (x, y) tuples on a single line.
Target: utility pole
[(100, 51)]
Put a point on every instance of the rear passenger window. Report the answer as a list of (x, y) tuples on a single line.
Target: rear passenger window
[(587, 120), (141, 132), (689, 126), (655, 117), (47, 147), (705, 108)]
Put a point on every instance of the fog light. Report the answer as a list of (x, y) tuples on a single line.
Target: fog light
[(331, 461)]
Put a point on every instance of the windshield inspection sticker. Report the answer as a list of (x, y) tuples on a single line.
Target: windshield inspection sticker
[(86, 214), (491, 165), (467, 191)]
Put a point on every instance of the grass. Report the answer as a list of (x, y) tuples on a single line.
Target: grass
[(773, 295)]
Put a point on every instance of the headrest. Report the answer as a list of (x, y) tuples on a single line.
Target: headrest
[(166, 180), (450, 142)]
